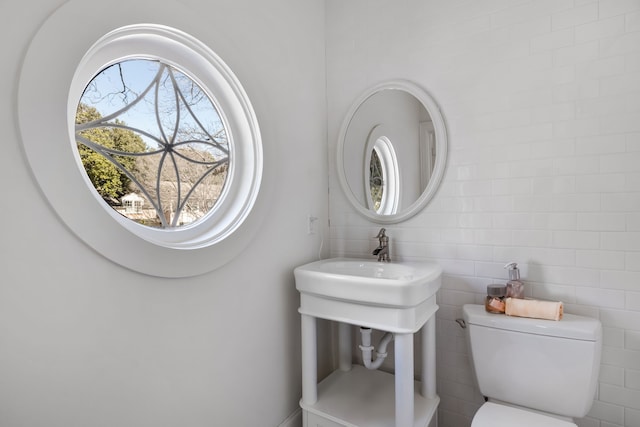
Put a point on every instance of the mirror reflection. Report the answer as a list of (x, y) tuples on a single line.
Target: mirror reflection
[(392, 147), (382, 180)]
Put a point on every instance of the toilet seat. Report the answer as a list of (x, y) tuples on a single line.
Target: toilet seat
[(495, 415)]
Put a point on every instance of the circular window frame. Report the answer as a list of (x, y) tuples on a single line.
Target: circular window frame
[(48, 135), (391, 179), (181, 51)]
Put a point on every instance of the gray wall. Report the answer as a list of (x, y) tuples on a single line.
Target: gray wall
[(85, 342)]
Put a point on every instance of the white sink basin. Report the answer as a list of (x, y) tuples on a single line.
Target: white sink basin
[(368, 282)]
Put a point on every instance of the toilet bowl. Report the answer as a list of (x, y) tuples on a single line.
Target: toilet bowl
[(497, 415), (533, 372)]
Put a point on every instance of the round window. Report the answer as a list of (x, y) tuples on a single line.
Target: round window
[(152, 143), (158, 161)]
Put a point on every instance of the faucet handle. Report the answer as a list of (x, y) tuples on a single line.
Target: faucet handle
[(381, 234)]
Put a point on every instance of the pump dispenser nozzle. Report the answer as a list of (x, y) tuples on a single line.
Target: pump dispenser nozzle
[(515, 288), (514, 271)]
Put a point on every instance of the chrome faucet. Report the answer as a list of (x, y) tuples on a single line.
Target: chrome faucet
[(383, 248)]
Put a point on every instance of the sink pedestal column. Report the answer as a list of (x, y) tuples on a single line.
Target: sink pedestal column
[(428, 388), (344, 347), (404, 379), (309, 360)]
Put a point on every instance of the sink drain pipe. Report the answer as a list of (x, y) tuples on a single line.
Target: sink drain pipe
[(368, 349)]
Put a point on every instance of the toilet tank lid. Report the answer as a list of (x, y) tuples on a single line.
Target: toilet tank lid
[(571, 326)]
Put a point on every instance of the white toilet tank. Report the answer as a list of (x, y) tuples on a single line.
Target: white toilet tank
[(546, 365)]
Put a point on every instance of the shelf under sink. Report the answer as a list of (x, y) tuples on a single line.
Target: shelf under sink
[(362, 397)]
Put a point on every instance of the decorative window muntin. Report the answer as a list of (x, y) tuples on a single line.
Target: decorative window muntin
[(178, 151)]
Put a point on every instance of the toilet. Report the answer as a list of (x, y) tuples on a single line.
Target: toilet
[(533, 373)]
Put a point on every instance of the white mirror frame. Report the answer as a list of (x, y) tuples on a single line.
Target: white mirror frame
[(441, 152)]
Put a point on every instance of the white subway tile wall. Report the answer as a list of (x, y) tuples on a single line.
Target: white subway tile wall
[(542, 104)]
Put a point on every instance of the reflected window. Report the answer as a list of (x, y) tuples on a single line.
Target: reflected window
[(383, 189), (152, 143), (376, 180)]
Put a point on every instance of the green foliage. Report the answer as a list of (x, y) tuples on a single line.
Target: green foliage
[(109, 181)]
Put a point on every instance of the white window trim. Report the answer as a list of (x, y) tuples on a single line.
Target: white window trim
[(391, 178), (49, 141)]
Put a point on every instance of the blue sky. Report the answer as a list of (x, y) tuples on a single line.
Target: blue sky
[(108, 94)]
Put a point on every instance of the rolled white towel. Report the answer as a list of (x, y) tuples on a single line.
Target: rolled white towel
[(536, 309)]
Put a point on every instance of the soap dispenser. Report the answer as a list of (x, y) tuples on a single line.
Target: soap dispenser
[(515, 287)]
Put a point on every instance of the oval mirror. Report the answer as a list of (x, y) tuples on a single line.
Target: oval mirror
[(392, 151)]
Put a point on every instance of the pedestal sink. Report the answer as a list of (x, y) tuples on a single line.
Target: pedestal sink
[(397, 297)]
